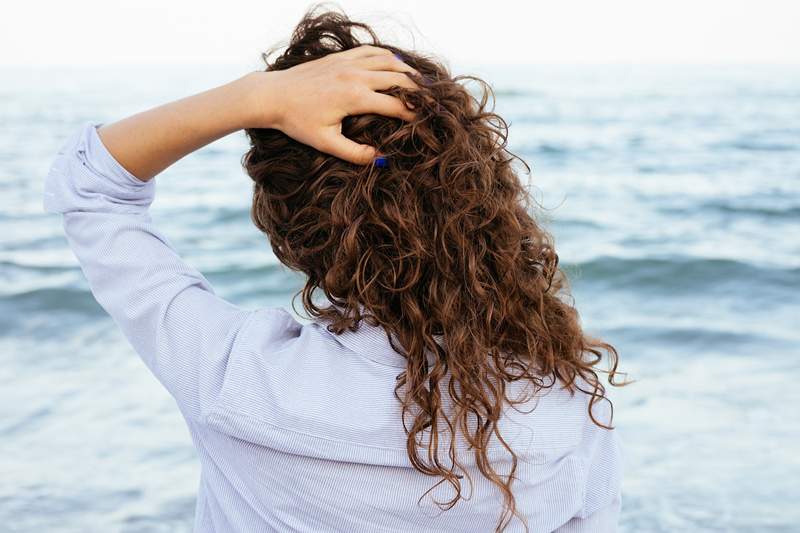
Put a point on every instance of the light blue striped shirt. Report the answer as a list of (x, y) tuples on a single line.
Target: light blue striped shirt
[(298, 429)]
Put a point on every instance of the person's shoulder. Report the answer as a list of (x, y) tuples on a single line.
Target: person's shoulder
[(275, 331), (269, 329), (272, 351), (549, 420), (287, 350), (596, 408)]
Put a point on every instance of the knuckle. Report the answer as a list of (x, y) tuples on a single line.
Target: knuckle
[(342, 75), (355, 95), (323, 145), (348, 75)]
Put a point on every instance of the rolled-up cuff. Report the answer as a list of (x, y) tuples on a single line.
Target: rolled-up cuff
[(86, 177)]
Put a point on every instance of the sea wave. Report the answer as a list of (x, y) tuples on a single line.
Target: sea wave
[(681, 273), (702, 338), (672, 273)]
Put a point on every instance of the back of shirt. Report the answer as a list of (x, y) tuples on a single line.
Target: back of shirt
[(307, 436)]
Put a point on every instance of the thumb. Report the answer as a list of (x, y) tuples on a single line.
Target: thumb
[(340, 146)]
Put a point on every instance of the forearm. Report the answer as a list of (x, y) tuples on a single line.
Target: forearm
[(148, 142), (306, 102)]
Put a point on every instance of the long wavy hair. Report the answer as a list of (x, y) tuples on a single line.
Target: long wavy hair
[(439, 249)]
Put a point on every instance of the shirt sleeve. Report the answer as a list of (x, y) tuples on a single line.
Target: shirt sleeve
[(166, 309), (602, 520), (603, 459)]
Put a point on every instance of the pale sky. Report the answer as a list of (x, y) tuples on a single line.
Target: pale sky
[(234, 32)]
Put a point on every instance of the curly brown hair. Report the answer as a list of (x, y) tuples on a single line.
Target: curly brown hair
[(440, 249)]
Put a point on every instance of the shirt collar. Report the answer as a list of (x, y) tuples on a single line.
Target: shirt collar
[(372, 342)]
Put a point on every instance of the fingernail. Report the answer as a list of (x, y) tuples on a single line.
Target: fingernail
[(398, 56), (381, 162)]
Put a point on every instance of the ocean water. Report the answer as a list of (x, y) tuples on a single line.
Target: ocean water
[(674, 197)]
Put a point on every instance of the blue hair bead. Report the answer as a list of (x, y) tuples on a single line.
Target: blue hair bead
[(381, 162)]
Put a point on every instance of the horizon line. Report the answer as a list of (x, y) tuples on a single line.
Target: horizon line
[(613, 63)]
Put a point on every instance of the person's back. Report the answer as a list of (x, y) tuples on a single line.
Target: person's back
[(305, 437), (442, 382)]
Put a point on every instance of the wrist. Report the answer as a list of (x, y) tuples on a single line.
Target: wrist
[(260, 106)]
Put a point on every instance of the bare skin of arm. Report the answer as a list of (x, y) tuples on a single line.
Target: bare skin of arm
[(307, 102)]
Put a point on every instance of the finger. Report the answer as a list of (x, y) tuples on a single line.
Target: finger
[(366, 50), (382, 80), (340, 146), (383, 104), (389, 63)]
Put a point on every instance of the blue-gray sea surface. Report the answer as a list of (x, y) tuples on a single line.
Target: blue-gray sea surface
[(674, 197)]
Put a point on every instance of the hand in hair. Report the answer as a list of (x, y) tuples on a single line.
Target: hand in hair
[(311, 99)]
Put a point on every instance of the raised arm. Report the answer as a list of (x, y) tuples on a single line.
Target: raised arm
[(101, 182), (307, 102)]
